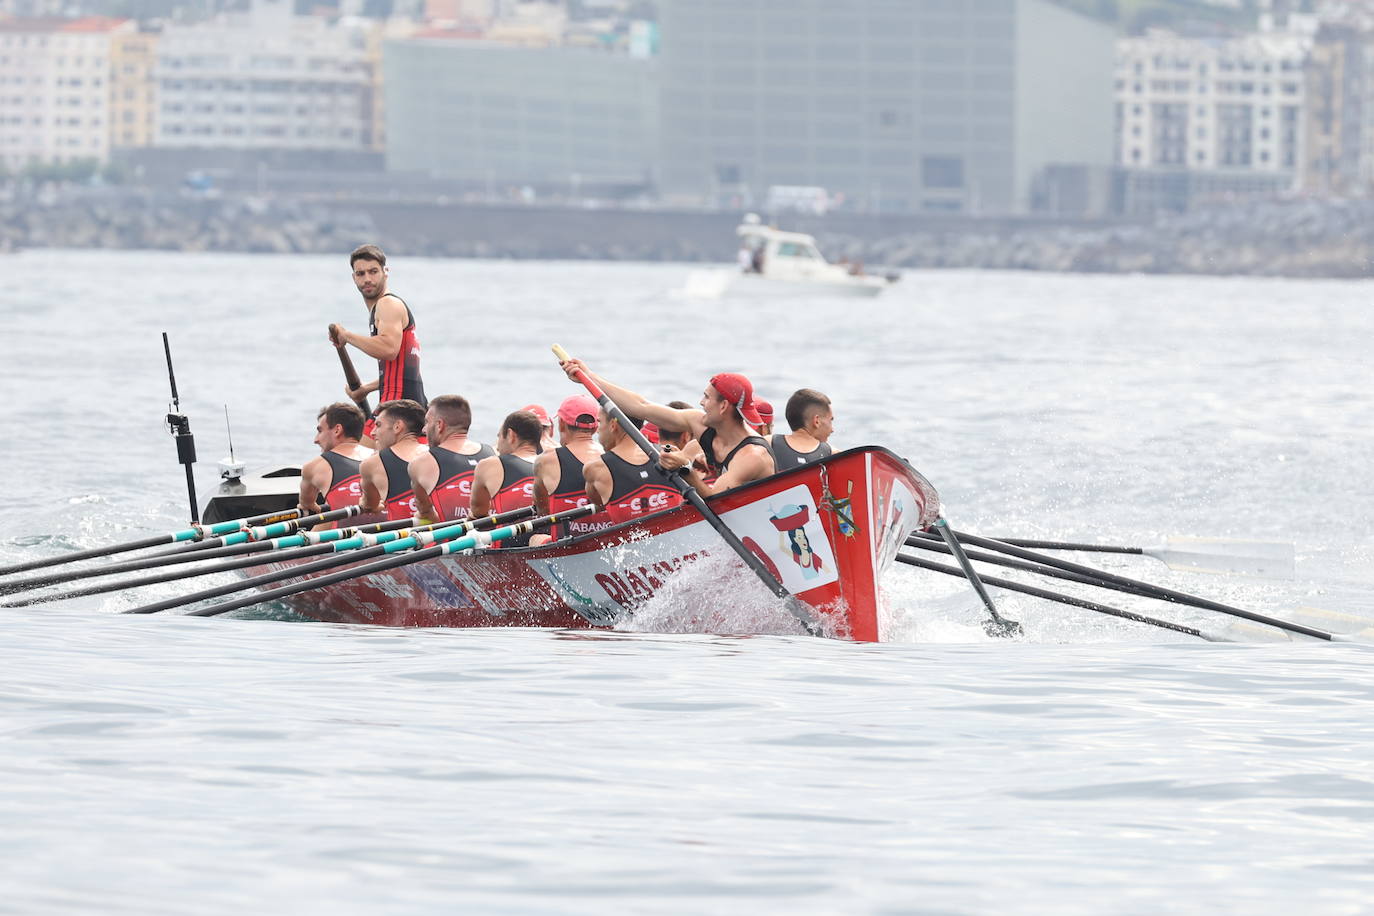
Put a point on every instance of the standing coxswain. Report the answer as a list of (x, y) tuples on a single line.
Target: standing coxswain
[(391, 341)]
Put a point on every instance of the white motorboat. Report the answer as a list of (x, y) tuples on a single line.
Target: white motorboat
[(773, 262)]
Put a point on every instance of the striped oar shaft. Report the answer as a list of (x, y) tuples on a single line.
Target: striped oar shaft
[(400, 555), (194, 533), (348, 550), (247, 531), (305, 544), (149, 562)]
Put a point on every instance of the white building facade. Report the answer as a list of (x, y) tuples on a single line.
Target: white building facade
[(55, 89), (264, 80), (1233, 108)]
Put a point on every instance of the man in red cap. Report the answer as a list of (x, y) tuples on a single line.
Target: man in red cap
[(558, 481), (545, 427), (734, 453), (765, 410)]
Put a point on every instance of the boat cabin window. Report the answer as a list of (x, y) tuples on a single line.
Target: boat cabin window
[(795, 250)]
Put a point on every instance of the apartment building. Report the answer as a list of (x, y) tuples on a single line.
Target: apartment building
[(1197, 117), (133, 92), (264, 79), (55, 89)]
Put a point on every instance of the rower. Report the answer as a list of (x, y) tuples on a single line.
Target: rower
[(392, 341), (399, 423), (734, 454), (442, 477), (333, 476), (505, 481), (808, 413), (546, 440), (558, 481), (624, 481), (765, 410)]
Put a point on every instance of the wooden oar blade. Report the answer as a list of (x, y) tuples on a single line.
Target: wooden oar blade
[(1271, 559)]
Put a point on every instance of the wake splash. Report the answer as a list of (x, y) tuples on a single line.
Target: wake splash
[(717, 596)]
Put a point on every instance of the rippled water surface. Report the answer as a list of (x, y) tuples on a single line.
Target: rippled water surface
[(171, 764)]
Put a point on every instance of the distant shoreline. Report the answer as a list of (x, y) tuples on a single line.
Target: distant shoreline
[(1285, 238)]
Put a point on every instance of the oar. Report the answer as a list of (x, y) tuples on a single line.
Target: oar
[(427, 550), (293, 547), (1215, 555), (252, 532), (1062, 598), (794, 605), (351, 376), (194, 533), (1134, 586), (996, 624), (348, 550)]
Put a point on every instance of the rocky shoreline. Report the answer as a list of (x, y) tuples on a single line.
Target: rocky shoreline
[(1292, 238)]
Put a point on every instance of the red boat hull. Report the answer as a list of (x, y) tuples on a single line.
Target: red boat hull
[(829, 531)]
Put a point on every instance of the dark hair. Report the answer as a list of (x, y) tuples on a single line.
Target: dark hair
[(453, 409), (407, 411), (367, 253), (637, 421), (802, 401), (525, 425), (346, 415), (679, 405)]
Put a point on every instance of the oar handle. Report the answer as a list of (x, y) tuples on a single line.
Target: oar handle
[(351, 377), (794, 605)]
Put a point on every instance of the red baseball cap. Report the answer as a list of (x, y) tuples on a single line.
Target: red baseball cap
[(539, 412), (765, 410), (579, 412), (739, 391)]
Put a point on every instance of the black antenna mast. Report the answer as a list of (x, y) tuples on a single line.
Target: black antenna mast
[(180, 427)]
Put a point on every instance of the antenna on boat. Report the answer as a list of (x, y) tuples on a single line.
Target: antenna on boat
[(179, 425), (230, 468)]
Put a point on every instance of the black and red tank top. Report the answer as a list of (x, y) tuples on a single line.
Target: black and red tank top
[(452, 495), (400, 498), (637, 489), (345, 486), (570, 494), (717, 468), (516, 492), (785, 457), (400, 377)]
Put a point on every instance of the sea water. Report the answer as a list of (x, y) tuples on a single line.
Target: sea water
[(168, 764)]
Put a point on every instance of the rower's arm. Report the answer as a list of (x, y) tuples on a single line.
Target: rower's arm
[(598, 478), (543, 482), (635, 404), (372, 492), (424, 475), (390, 318), (483, 486), (752, 463), (313, 483)]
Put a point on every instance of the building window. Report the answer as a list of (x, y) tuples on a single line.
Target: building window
[(942, 171)]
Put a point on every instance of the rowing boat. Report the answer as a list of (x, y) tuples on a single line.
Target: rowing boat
[(828, 531)]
